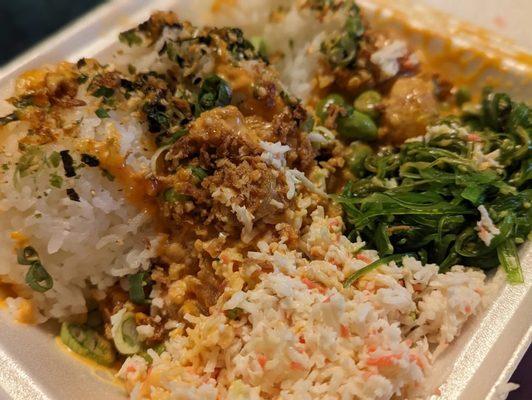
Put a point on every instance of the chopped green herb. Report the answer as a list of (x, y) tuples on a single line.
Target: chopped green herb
[(239, 47), (341, 47), (159, 348), (308, 124), (131, 69), (130, 37), (158, 120), (32, 158), (104, 91), (56, 181), (102, 113), (199, 173), (214, 92), (234, 313), (55, 159), (170, 195), (82, 78), (5, 167), (172, 51)]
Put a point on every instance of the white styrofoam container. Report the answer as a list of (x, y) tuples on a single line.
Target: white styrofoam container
[(32, 367)]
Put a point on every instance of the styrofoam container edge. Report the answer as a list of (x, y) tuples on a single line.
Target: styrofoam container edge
[(33, 367)]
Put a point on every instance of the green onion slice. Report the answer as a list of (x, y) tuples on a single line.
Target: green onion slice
[(27, 256), (125, 335), (38, 278), (234, 313), (87, 343), (171, 195), (199, 173), (136, 288)]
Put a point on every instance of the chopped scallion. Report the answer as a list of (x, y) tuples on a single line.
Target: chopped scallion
[(199, 172), (170, 195), (87, 343), (234, 313), (136, 288), (125, 335), (37, 277), (102, 113), (56, 181)]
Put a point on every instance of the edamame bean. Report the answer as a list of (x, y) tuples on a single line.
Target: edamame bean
[(368, 103), (357, 126), (322, 109), (356, 155)]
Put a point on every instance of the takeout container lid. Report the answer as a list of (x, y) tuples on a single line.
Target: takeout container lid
[(491, 345)]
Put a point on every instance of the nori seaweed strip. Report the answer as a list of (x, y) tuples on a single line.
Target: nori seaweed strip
[(89, 160), (68, 164), (73, 195)]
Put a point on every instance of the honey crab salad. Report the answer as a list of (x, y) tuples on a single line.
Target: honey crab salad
[(272, 202)]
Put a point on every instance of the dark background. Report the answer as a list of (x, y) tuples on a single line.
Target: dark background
[(26, 22)]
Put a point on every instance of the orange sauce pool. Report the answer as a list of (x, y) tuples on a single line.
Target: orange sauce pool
[(243, 83), (107, 374)]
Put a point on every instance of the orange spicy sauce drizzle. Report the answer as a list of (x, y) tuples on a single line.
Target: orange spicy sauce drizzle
[(138, 190)]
